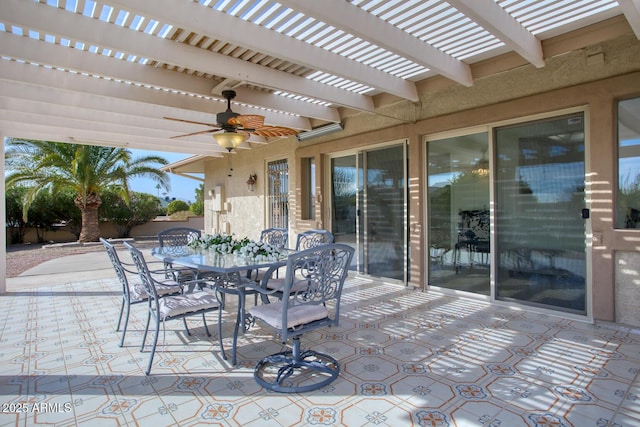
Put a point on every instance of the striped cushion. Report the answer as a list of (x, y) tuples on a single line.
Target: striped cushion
[(165, 287)]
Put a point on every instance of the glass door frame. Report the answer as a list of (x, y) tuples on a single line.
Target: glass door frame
[(360, 255), (588, 180)]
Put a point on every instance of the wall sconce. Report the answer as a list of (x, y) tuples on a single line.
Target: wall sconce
[(251, 182)]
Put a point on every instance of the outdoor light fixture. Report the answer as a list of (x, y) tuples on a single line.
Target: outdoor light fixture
[(251, 182), (319, 131), (230, 140)]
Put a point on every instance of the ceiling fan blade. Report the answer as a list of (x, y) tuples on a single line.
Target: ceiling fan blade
[(273, 131), (249, 121), (192, 122), (195, 133)]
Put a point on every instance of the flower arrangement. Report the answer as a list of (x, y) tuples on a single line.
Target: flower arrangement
[(223, 243), (259, 250), (220, 242)]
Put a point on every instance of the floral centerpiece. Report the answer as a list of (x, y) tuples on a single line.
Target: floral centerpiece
[(220, 242), (223, 243), (259, 251)]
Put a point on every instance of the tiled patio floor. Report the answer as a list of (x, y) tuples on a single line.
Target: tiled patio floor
[(408, 358)]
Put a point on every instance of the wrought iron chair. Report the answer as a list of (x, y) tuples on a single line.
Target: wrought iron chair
[(275, 237), (312, 238), (272, 279), (311, 300), (133, 291), (179, 236), (170, 307)]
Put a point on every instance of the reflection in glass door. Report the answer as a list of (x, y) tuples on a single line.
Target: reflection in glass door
[(385, 213), (346, 185), (459, 244), (369, 209), (540, 236)]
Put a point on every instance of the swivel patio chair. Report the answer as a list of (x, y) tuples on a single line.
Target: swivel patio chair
[(272, 279), (311, 300), (169, 307), (133, 291)]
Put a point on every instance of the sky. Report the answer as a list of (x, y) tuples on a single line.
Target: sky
[(181, 188)]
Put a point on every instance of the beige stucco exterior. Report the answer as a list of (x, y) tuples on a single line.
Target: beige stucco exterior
[(590, 77)]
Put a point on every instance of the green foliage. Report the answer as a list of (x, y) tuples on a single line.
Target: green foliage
[(197, 208), (628, 202), (85, 170), (43, 214), (177, 206), (16, 225), (141, 209)]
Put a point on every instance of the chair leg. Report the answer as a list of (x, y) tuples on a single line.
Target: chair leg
[(186, 328), (120, 318), (204, 320), (153, 349), (146, 329), (126, 323)]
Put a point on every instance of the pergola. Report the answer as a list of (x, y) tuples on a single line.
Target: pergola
[(108, 73)]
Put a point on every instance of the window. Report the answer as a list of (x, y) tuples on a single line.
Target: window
[(628, 203), (309, 188), (278, 194)]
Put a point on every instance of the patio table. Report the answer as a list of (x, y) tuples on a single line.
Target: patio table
[(227, 278)]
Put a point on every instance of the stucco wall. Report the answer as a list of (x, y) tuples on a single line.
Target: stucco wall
[(627, 288), (108, 230), (245, 210), (589, 78)]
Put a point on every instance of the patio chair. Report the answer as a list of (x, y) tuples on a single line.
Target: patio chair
[(272, 279), (169, 307), (133, 291), (276, 237), (311, 300), (179, 236)]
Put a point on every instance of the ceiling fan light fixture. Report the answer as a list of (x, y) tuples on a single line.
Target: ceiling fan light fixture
[(230, 140)]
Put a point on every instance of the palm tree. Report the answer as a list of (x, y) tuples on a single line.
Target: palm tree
[(87, 170)]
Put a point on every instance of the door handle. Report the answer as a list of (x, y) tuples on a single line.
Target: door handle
[(585, 213)]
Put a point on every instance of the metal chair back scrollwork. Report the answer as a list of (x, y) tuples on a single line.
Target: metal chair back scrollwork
[(311, 300)]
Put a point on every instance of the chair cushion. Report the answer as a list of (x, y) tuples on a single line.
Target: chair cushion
[(278, 284), (297, 315), (165, 287), (171, 306)]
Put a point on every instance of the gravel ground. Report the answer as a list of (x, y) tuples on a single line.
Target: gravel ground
[(20, 258)]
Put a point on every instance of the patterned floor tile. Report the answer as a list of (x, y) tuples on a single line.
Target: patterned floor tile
[(406, 358)]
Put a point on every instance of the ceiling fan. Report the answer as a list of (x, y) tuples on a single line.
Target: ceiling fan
[(236, 127)]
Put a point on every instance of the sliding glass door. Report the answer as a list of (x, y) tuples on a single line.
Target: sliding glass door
[(369, 199), (458, 205), (539, 199)]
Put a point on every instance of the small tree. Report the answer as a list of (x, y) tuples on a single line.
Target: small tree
[(141, 209), (177, 206), (197, 208)]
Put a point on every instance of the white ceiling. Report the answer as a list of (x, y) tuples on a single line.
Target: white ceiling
[(108, 72)]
